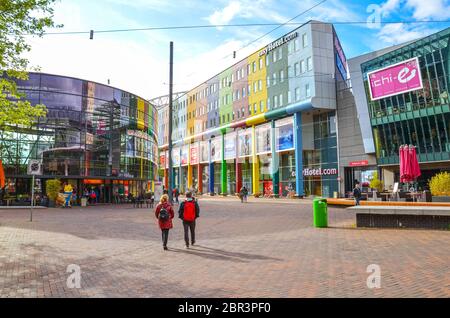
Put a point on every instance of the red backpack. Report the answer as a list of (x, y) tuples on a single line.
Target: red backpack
[(189, 211)]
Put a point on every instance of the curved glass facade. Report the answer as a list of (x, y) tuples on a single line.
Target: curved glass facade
[(93, 136)]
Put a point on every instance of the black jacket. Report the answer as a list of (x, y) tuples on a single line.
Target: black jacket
[(181, 210), (357, 192)]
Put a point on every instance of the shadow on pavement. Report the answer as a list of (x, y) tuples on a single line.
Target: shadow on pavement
[(217, 254)]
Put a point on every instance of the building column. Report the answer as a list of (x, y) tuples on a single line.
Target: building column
[(166, 178), (275, 163), (189, 171), (200, 178), (298, 145), (223, 174), (238, 167), (211, 170), (255, 163)]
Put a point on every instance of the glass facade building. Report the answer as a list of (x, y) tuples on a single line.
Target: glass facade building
[(419, 117), (94, 136)]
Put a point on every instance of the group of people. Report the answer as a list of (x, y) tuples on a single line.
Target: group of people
[(188, 212)]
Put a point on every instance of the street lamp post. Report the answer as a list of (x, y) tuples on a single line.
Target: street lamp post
[(170, 175)]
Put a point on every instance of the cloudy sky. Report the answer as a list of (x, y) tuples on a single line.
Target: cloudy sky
[(138, 61)]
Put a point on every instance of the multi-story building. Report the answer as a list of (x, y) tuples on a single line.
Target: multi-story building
[(94, 136), (267, 122)]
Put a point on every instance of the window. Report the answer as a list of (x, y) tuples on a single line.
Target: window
[(228, 117), (281, 99), (243, 92), (254, 67), (268, 81), (290, 70), (242, 73), (242, 112), (302, 66), (248, 69), (261, 106), (297, 94), (274, 56), (274, 77), (260, 85), (227, 83), (237, 94), (280, 53), (275, 101), (305, 40), (249, 89), (228, 99), (289, 97), (255, 88), (249, 109), (268, 103), (237, 75), (307, 90), (254, 108), (290, 47), (260, 63), (267, 59), (281, 76), (309, 63), (232, 116), (232, 77), (296, 69), (296, 45)]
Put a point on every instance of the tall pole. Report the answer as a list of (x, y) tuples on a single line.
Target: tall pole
[(170, 122), (32, 199)]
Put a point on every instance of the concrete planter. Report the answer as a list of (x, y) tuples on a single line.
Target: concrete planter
[(441, 198)]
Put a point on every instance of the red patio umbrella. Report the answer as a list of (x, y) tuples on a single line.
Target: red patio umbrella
[(2, 175), (415, 168)]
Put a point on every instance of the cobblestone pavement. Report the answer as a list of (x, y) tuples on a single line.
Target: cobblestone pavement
[(264, 248)]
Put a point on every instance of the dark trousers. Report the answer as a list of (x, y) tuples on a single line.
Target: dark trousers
[(189, 226), (165, 236), (357, 200)]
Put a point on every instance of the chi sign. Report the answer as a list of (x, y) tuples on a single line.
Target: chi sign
[(395, 79)]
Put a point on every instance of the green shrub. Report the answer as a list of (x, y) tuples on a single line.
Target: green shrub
[(440, 184), (376, 183), (52, 188)]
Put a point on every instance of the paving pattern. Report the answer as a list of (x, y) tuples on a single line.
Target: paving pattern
[(264, 248)]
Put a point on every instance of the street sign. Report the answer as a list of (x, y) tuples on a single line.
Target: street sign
[(34, 167)]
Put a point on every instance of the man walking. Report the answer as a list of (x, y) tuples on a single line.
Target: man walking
[(357, 194), (189, 211)]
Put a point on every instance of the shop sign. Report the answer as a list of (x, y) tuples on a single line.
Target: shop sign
[(278, 43), (216, 150), (395, 79), (184, 155), (245, 143), (285, 137), (194, 154), (359, 163), (319, 172), (230, 146)]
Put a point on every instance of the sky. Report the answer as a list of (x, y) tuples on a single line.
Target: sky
[(138, 61)]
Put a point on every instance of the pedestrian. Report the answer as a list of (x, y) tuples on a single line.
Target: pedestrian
[(164, 213), (244, 194), (357, 193), (189, 211), (176, 194), (68, 189)]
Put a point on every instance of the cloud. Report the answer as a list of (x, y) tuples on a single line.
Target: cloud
[(430, 9), (226, 14), (392, 34)]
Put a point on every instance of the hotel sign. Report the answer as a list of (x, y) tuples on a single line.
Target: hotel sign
[(279, 42), (359, 163), (395, 79)]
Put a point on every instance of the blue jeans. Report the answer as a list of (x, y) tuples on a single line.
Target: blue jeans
[(68, 195), (357, 200)]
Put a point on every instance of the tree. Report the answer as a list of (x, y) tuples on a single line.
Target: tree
[(19, 19)]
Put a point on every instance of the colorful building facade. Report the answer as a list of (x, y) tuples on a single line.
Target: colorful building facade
[(268, 122)]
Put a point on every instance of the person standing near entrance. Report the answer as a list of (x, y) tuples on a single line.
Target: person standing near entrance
[(244, 194), (68, 189), (357, 193), (189, 211), (164, 213)]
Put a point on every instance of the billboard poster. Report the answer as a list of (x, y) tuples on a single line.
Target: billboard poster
[(245, 143), (162, 159), (341, 60), (184, 155), (216, 149), (395, 79), (194, 154), (130, 146), (176, 157), (204, 150), (230, 146), (263, 139), (284, 137)]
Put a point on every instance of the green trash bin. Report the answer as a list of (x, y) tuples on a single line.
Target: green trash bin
[(320, 212)]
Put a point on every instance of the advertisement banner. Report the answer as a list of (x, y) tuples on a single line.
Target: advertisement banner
[(263, 139), (194, 154), (395, 79), (184, 155), (230, 146), (176, 157), (204, 150), (216, 150), (245, 143), (285, 137)]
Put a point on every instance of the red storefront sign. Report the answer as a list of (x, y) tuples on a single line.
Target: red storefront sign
[(194, 155), (359, 163)]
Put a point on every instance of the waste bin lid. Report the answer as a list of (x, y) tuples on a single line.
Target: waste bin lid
[(319, 199)]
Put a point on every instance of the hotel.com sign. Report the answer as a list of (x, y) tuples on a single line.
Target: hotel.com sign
[(278, 43)]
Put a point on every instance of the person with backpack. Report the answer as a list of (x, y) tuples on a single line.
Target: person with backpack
[(189, 211), (357, 193), (243, 194), (164, 213)]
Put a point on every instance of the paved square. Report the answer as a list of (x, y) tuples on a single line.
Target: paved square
[(265, 248)]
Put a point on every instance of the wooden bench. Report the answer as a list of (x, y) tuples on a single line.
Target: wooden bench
[(428, 217)]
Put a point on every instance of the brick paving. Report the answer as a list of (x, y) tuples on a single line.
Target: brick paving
[(265, 248)]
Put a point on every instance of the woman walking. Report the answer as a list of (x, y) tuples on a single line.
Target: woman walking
[(164, 214)]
